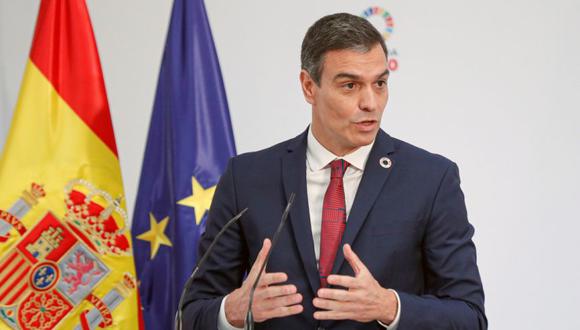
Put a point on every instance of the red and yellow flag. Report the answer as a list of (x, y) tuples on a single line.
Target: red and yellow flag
[(65, 253)]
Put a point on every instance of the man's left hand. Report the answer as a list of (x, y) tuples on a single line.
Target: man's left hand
[(364, 299)]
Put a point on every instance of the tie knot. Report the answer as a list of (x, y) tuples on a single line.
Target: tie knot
[(337, 168)]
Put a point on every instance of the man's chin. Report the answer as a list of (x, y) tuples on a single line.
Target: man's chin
[(365, 138)]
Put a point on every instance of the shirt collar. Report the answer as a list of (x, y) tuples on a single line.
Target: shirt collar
[(318, 157)]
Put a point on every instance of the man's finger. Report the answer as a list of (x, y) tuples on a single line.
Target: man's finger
[(260, 259), (263, 252), (354, 261), (344, 281), (334, 315), (333, 305), (279, 312), (283, 301), (335, 294), (275, 291), (272, 278)]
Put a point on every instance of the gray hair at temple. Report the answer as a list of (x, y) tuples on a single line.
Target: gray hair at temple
[(336, 32)]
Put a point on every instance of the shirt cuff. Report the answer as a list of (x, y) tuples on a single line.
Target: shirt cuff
[(223, 323), (395, 324)]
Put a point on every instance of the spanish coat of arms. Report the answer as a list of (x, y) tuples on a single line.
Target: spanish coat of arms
[(54, 267)]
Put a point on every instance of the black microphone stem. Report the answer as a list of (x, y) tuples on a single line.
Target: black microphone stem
[(178, 315), (249, 324)]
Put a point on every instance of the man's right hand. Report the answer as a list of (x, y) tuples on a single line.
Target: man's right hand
[(270, 300)]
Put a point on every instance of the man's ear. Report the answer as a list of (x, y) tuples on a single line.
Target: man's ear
[(308, 86)]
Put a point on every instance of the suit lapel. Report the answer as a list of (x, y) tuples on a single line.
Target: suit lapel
[(372, 182), (294, 180)]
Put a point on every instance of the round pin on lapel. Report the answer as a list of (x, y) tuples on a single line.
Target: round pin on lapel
[(385, 162)]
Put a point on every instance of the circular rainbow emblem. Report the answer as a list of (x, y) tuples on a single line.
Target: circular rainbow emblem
[(388, 19)]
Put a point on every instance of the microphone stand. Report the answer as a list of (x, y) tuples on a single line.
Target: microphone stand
[(186, 287), (249, 323)]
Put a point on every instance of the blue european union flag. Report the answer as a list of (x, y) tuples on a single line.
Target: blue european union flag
[(189, 143)]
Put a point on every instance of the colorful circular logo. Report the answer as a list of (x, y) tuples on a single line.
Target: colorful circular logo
[(44, 276), (387, 18)]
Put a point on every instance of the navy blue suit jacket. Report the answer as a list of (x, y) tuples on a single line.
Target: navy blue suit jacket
[(408, 224)]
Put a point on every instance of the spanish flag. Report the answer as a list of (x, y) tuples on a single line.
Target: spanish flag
[(65, 251)]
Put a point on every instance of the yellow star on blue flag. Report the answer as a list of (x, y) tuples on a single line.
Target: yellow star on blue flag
[(200, 199), (156, 234)]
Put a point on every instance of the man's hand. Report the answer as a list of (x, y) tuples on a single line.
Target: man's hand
[(364, 300), (270, 301)]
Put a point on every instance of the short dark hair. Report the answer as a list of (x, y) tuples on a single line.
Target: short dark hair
[(335, 32)]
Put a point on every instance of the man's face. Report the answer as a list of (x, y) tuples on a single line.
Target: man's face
[(348, 104)]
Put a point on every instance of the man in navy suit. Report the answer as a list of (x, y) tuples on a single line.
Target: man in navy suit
[(378, 236)]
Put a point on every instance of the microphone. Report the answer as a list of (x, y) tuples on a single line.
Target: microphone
[(186, 287), (249, 324)]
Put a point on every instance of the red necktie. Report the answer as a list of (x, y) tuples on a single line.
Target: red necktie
[(333, 219)]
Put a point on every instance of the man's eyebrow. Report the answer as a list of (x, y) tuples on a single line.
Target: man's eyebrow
[(346, 75), (357, 77), (385, 73)]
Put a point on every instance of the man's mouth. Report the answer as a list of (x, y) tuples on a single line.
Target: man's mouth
[(366, 125)]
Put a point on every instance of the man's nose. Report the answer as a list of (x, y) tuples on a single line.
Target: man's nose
[(368, 99)]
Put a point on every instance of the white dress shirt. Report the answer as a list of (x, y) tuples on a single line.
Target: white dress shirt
[(318, 159)]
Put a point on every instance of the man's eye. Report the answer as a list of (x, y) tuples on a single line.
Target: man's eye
[(381, 83), (349, 85)]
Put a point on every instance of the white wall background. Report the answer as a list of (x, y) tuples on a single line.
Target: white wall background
[(493, 85)]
